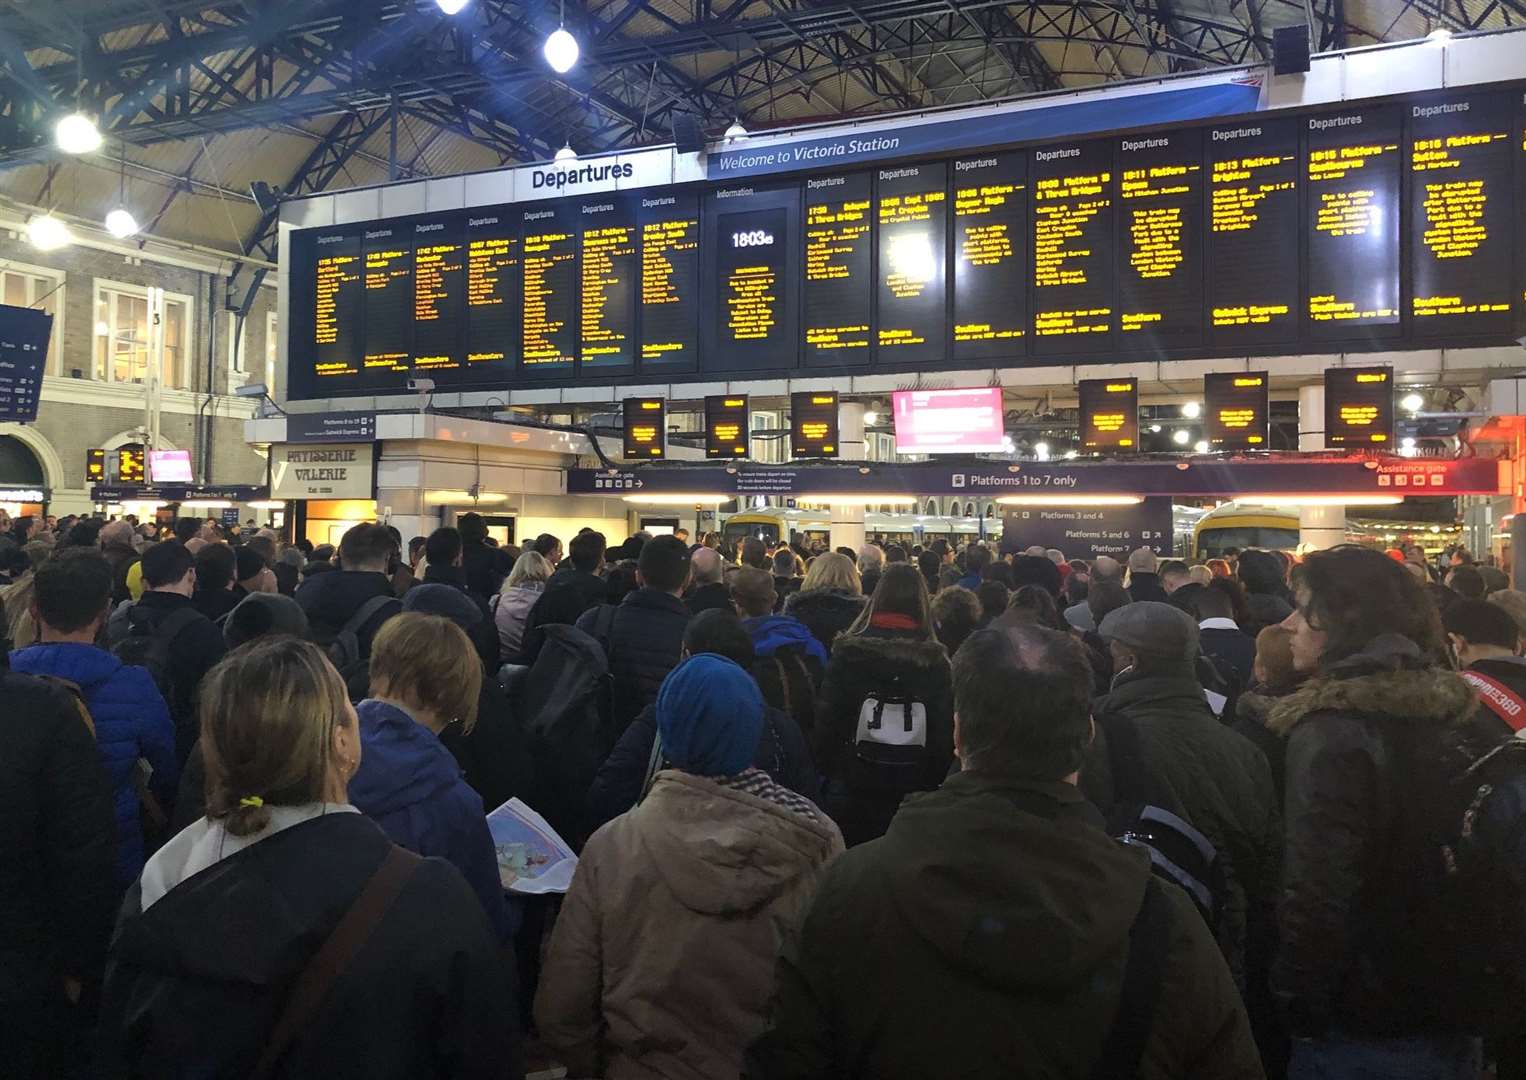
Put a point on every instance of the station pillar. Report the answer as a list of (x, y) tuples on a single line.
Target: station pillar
[(848, 520), (1319, 527)]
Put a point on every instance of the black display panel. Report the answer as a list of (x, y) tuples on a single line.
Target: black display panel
[(1109, 419), (389, 300), (1160, 241), (440, 287), (335, 317), (132, 467), (549, 286), (1359, 406), (1235, 410), (839, 235), (754, 322), (646, 428), (1253, 229), (990, 256), (670, 276), (911, 216), (1460, 203), (1352, 223), (24, 335), (493, 292), (95, 467), (728, 421), (1073, 216), (609, 261), (813, 424)]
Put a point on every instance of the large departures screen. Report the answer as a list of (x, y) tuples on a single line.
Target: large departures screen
[(1353, 227)]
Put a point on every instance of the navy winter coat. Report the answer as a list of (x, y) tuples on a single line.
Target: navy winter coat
[(131, 722), (411, 786)]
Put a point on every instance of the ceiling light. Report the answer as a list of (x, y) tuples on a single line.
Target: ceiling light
[(736, 130), (1407, 443), (857, 500), (1321, 500), (121, 224), (1191, 409), (561, 50), (677, 499), (1070, 500), (1441, 33), (566, 153), (1201, 446), (48, 233), (871, 418), (1181, 436), (450, 7), (77, 134), (1070, 455), (1154, 429), (1413, 402), (1041, 450)]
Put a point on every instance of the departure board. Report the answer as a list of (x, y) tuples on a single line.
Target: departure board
[(1073, 214), (727, 424), (1160, 248), (338, 292), (131, 465), (1353, 171), (813, 424), (1359, 406), (646, 428), (753, 316), (911, 214), (440, 287), (1460, 200), (990, 256), (669, 282), (1109, 415), (493, 294), (610, 266), (1252, 249), (549, 285), (1235, 410), (387, 269), (839, 216), (95, 467)]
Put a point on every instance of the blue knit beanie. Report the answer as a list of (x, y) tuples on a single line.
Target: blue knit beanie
[(710, 715)]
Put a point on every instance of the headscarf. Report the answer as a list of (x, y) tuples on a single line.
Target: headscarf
[(709, 716)]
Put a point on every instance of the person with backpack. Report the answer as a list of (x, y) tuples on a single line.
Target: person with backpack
[(345, 608), (662, 960), (133, 731), (284, 934), (164, 633), (645, 634), (1377, 740), (830, 598), (788, 660), (58, 896), (569, 592), (885, 715), (216, 577), (996, 930), (1486, 643)]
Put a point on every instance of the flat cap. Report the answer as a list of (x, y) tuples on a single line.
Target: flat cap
[(1153, 629)]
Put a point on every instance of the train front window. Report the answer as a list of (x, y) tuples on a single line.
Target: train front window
[(738, 531), (1214, 542)]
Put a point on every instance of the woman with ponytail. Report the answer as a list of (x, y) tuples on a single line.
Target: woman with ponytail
[(283, 934)]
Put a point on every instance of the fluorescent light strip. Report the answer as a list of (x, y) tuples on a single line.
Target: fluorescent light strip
[(1070, 500)]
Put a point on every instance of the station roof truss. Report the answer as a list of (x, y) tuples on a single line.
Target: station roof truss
[(201, 99)]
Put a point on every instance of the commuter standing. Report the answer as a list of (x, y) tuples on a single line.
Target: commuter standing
[(830, 597), (569, 592), (707, 591), (1144, 581), (347, 607), (511, 607)]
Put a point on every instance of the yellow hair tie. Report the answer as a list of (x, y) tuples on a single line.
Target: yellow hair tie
[(252, 800)]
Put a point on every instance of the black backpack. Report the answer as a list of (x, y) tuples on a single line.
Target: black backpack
[(345, 650), (1178, 854), (560, 699), (150, 645)]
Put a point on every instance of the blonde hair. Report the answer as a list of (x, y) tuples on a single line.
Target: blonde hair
[(530, 567), (268, 715), (832, 570), (428, 661)]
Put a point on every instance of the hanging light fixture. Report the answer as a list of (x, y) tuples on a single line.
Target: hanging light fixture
[(48, 233), (561, 48), (120, 222), (736, 130), (77, 134), (450, 7), (566, 153)]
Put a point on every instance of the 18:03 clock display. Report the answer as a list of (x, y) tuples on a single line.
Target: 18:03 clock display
[(1368, 227)]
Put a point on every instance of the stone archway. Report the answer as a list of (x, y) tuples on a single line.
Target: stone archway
[(54, 477)]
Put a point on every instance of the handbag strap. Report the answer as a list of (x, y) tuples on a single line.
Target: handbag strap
[(351, 933)]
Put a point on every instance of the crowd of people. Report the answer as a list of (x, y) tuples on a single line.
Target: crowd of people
[(883, 812)]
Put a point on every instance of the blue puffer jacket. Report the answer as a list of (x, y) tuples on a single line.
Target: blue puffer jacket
[(131, 722), (411, 786)]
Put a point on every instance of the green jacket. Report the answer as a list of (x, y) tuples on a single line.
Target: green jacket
[(979, 940)]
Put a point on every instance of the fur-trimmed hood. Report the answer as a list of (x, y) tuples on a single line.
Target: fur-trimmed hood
[(1387, 679), (872, 648)]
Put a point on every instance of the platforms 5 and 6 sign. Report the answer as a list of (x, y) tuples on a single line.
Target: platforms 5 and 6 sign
[(322, 471)]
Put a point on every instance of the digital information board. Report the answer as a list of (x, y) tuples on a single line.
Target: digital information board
[(728, 421), (1359, 406), (1235, 410), (1109, 415), (1360, 227), (95, 467), (813, 424), (646, 428), (132, 466), (24, 334)]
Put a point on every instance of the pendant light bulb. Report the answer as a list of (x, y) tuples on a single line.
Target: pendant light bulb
[(121, 224), (48, 233), (566, 153), (561, 50), (77, 134)]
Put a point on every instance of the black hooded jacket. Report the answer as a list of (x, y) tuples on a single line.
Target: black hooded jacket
[(645, 642), (983, 941), (568, 594), (330, 599), (196, 982), (826, 612)]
